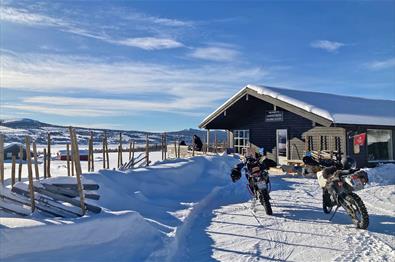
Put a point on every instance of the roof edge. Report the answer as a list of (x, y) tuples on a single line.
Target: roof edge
[(267, 95), (224, 106)]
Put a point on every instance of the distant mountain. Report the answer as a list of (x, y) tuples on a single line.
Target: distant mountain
[(15, 130)]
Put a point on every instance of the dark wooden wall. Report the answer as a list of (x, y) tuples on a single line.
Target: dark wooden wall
[(251, 116)]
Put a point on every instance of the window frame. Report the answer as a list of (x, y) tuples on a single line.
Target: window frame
[(241, 140), (390, 151)]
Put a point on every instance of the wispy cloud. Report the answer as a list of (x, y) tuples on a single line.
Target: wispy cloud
[(93, 107), (382, 64), (59, 72), (176, 89), (23, 16), (215, 53), (150, 43), (60, 111), (330, 46), (136, 16)]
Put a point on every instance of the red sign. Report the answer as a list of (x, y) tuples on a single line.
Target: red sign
[(360, 139)]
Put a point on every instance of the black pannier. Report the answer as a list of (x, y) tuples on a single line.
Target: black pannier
[(235, 174)]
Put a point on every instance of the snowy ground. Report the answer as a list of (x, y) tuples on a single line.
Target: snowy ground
[(189, 210)]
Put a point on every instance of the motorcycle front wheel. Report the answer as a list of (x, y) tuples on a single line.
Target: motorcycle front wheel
[(265, 201), (357, 211)]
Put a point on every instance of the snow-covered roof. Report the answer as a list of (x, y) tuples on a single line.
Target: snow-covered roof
[(335, 108), (82, 152), (14, 144)]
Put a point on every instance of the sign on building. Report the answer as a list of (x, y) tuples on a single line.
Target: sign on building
[(274, 116)]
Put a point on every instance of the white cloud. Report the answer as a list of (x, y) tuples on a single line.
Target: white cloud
[(215, 53), (23, 16), (150, 43), (158, 20), (58, 110), (383, 64), (176, 89), (326, 45), (42, 72), (88, 106)]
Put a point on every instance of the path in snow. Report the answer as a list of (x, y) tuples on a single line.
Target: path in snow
[(298, 231)]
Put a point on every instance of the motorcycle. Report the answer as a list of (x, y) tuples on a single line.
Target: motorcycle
[(258, 179), (339, 181)]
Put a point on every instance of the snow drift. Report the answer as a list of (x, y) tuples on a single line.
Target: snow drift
[(381, 175), (143, 210)]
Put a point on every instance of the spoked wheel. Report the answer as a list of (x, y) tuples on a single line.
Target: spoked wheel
[(265, 201), (326, 202), (357, 211)]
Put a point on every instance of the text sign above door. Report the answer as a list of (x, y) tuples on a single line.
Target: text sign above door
[(274, 116)]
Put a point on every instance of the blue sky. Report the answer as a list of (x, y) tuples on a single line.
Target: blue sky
[(165, 65)]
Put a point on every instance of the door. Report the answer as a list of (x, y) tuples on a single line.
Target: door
[(282, 146)]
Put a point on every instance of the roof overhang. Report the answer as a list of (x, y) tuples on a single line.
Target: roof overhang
[(287, 106)]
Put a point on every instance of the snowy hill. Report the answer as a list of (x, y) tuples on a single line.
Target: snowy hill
[(16, 129)]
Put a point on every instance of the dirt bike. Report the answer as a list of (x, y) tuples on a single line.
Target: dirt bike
[(339, 182), (258, 179)]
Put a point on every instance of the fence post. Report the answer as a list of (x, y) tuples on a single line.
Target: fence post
[(104, 154), (72, 160), (120, 150), (35, 161), (30, 172), (49, 156), (175, 149), (13, 170), (107, 156), (193, 147), (179, 149), (130, 150), (162, 142), (2, 158), (208, 140), (68, 158), (147, 149), (92, 156), (165, 145), (133, 151), (89, 154), (20, 163), (45, 163), (76, 157)]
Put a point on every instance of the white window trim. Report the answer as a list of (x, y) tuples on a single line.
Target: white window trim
[(247, 139)]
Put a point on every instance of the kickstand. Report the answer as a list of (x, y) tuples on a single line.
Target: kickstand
[(330, 219), (253, 202)]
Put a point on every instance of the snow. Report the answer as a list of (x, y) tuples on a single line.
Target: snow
[(339, 109), (336, 108), (381, 175), (189, 210)]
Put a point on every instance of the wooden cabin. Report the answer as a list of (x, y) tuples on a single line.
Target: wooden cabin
[(287, 123), (62, 155)]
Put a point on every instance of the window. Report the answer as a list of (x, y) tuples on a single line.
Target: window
[(310, 143), (379, 145), (324, 142), (241, 139)]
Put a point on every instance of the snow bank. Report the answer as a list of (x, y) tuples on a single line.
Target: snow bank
[(121, 235), (381, 175), (145, 210)]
